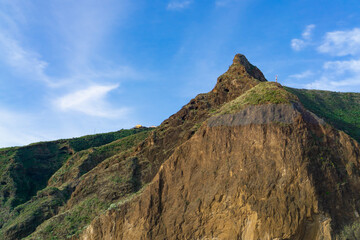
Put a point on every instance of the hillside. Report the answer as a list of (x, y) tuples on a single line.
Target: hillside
[(27, 197), (251, 159), (342, 110)]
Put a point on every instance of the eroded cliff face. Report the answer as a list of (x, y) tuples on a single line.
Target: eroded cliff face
[(95, 180), (267, 171)]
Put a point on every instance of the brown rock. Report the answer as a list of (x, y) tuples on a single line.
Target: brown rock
[(267, 180)]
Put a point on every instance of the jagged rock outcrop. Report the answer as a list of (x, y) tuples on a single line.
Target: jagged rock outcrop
[(260, 166), (178, 128)]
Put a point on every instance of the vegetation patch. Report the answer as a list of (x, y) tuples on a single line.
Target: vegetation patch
[(83, 161), (342, 110), (351, 231), (262, 93), (71, 222), (26, 217), (97, 140), (25, 199)]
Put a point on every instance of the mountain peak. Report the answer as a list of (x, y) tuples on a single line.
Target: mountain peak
[(240, 77), (240, 58), (241, 61)]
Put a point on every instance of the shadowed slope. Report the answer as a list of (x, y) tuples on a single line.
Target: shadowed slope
[(342, 110)]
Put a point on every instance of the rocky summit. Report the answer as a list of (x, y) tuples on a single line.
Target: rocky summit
[(249, 160)]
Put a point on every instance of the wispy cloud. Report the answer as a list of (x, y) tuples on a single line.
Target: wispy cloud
[(338, 76), (24, 62), (331, 84), (91, 101), (79, 32), (307, 33), (340, 67), (178, 5), (299, 44), (341, 43), (343, 75)]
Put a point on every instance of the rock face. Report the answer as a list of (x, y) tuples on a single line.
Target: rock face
[(259, 167)]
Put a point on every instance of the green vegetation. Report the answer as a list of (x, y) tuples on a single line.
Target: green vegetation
[(24, 171), (97, 140), (263, 93), (25, 199), (29, 215), (83, 161), (351, 231), (71, 222), (342, 110)]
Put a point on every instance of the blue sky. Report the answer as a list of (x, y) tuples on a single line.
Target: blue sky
[(70, 68)]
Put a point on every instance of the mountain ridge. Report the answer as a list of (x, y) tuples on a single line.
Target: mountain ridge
[(166, 183), (186, 186)]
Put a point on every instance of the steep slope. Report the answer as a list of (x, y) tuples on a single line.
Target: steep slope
[(342, 110), (262, 167), (26, 198)]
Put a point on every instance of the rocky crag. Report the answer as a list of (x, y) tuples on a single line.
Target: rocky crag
[(248, 160)]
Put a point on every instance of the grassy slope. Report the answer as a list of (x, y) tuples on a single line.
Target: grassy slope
[(342, 110), (83, 161), (263, 93), (71, 221), (26, 170)]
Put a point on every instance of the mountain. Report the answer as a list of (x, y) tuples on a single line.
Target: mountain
[(251, 159)]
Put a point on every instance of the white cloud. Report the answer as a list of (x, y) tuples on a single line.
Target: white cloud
[(79, 28), (91, 101), (338, 76), (299, 44), (340, 67), (341, 43), (307, 34), (178, 5), (75, 34), (24, 62), (28, 64), (343, 75), (331, 84)]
